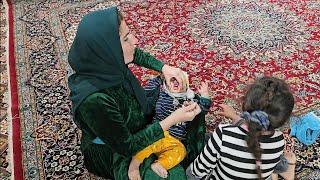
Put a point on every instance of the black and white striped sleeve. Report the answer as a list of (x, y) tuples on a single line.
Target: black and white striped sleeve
[(207, 159)]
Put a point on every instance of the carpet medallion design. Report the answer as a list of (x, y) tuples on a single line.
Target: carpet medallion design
[(252, 30), (229, 43)]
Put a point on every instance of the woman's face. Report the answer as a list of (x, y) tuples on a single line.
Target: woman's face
[(128, 42)]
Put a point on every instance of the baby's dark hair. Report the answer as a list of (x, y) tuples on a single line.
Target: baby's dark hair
[(273, 96)]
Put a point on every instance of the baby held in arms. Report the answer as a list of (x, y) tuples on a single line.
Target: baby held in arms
[(169, 150)]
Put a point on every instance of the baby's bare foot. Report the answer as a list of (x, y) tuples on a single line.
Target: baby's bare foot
[(159, 169)]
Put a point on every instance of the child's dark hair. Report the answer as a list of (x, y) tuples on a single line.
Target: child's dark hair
[(273, 96)]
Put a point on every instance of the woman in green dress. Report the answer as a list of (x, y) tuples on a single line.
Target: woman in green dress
[(110, 106)]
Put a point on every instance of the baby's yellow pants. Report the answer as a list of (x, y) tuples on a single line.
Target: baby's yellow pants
[(170, 151)]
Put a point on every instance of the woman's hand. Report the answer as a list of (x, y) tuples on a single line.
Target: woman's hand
[(169, 72), (187, 112), (183, 114), (229, 112)]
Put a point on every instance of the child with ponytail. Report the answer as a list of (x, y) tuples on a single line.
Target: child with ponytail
[(251, 147)]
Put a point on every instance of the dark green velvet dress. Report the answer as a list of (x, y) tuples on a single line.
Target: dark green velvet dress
[(115, 116)]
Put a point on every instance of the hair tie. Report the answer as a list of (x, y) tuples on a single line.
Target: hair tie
[(259, 117)]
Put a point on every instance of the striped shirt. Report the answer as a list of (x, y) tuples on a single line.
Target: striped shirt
[(165, 106), (225, 155)]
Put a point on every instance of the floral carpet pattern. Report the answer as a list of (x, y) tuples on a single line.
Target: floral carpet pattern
[(228, 43)]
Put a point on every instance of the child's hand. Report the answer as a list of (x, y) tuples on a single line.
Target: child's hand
[(133, 172), (204, 89), (229, 112)]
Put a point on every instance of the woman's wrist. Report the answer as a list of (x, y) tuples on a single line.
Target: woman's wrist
[(168, 122)]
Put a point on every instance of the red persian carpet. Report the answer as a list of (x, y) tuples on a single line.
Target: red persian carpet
[(228, 42), (5, 171)]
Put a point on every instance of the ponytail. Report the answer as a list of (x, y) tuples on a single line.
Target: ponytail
[(257, 122)]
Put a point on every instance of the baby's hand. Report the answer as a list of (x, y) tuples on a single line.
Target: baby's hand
[(204, 89)]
